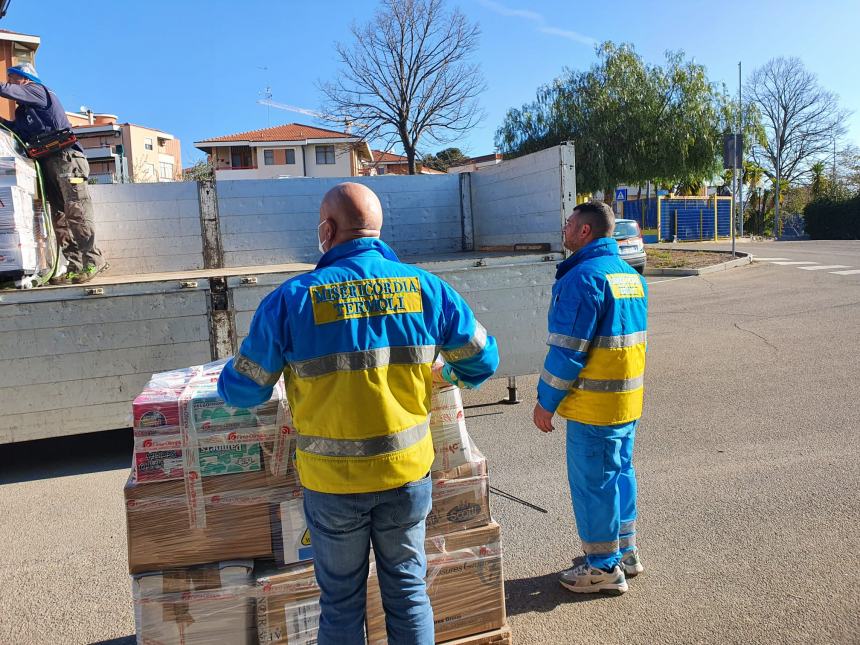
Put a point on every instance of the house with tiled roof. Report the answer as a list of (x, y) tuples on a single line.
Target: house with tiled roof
[(291, 150), (388, 163)]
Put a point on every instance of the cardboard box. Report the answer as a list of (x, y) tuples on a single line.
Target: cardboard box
[(461, 497), (451, 443), (220, 459), (288, 605), (236, 511), (18, 252), (291, 538), (16, 210), (196, 606), (16, 171), (465, 583), (501, 636)]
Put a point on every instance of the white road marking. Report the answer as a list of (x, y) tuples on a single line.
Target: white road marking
[(783, 264), (852, 272), (822, 267), (758, 259)]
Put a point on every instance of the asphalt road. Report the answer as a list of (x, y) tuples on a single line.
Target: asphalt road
[(747, 457)]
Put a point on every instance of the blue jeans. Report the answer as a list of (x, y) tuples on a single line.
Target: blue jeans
[(603, 489), (342, 529)]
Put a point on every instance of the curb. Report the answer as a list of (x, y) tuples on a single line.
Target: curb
[(742, 259)]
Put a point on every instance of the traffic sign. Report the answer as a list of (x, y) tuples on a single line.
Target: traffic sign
[(620, 194), (662, 192)]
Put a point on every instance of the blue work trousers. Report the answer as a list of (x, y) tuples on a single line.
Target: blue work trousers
[(603, 489), (342, 529)]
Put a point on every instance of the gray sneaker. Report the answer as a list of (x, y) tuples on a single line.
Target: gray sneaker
[(631, 564), (583, 578)]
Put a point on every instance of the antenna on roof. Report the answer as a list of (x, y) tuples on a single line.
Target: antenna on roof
[(267, 96)]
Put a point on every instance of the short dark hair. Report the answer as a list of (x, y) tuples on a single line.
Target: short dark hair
[(599, 216)]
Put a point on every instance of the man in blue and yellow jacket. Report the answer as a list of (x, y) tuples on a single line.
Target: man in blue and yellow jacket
[(593, 377), (356, 340)]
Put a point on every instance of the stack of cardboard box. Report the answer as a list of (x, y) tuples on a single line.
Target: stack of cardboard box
[(21, 243), (227, 550)]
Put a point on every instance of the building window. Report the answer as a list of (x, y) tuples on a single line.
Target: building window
[(269, 157), (291, 156), (380, 170), (147, 143), (325, 155), (165, 170)]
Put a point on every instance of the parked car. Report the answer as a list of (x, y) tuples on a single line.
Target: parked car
[(630, 244)]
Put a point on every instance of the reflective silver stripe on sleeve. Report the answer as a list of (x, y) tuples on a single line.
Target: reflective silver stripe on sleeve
[(364, 360), (476, 343), (568, 342), (596, 385), (627, 541), (600, 547), (328, 447), (246, 367), (627, 527), (618, 342), (554, 381)]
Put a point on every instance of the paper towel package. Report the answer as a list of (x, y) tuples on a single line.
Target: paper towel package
[(288, 605), (219, 459), (448, 428), (465, 583), (196, 606)]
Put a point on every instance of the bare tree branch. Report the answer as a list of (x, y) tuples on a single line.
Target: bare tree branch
[(407, 74), (800, 118)]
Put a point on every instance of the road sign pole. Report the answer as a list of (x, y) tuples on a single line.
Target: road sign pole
[(740, 132)]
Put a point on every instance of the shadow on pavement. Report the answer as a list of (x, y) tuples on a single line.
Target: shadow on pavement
[(124, 640), (541, 594), (64, 456)]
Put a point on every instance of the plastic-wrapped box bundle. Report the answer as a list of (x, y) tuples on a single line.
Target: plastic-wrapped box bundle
[(196, 606), (18, 171), (18, 253), (288, 609), (448, 428), (206, 476), (16, 210), (465, 583), (460, 496), (291, 537)]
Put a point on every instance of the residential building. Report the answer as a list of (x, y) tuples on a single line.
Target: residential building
[(388, 163), (126, 152), (15, 48), (476, 163), (291, 150)]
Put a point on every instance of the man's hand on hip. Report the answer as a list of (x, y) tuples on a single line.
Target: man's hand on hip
[(543, 419)]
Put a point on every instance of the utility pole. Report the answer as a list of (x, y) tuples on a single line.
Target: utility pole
[(776, 188), (740, 139)]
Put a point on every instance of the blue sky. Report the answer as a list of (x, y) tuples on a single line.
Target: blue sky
[(195, 68)]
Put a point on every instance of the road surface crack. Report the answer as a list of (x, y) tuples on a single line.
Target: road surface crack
[(759, 336)]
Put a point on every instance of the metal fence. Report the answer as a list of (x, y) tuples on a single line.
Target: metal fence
[(685, 219)]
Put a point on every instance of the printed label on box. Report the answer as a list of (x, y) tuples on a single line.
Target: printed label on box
[(303, 621)]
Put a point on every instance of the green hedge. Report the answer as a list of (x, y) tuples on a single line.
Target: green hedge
[(826, 219)]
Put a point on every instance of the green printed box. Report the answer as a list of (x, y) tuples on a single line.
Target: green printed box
[(230, 458)]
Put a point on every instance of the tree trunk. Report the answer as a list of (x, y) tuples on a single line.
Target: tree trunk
[(410, 159)]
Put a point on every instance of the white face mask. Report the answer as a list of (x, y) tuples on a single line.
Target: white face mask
[(321, 243)]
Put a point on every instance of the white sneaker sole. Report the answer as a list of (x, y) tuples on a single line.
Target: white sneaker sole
[(608, 589)]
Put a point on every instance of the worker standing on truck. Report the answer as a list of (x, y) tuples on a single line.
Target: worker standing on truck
[(356, 339), (593, 377), (39, 115)]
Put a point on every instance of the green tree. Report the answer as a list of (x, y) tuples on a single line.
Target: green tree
[(202, 170), (819, 185), (444, 159), (630, 121)]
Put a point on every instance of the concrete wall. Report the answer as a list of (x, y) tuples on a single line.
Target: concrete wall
[(519, 200), (275, 221), (148, 228)]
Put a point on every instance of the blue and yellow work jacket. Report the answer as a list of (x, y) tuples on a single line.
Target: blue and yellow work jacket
[(356, 339), (595, 366)]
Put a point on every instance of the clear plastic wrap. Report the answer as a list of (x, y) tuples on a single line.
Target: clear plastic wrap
[(218, 544), (451, 443), (464, 581)]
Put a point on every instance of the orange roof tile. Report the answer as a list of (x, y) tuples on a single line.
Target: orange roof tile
[(288, 132), (388, 157)]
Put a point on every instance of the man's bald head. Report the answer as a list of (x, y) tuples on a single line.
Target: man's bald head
[(349, 211)]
